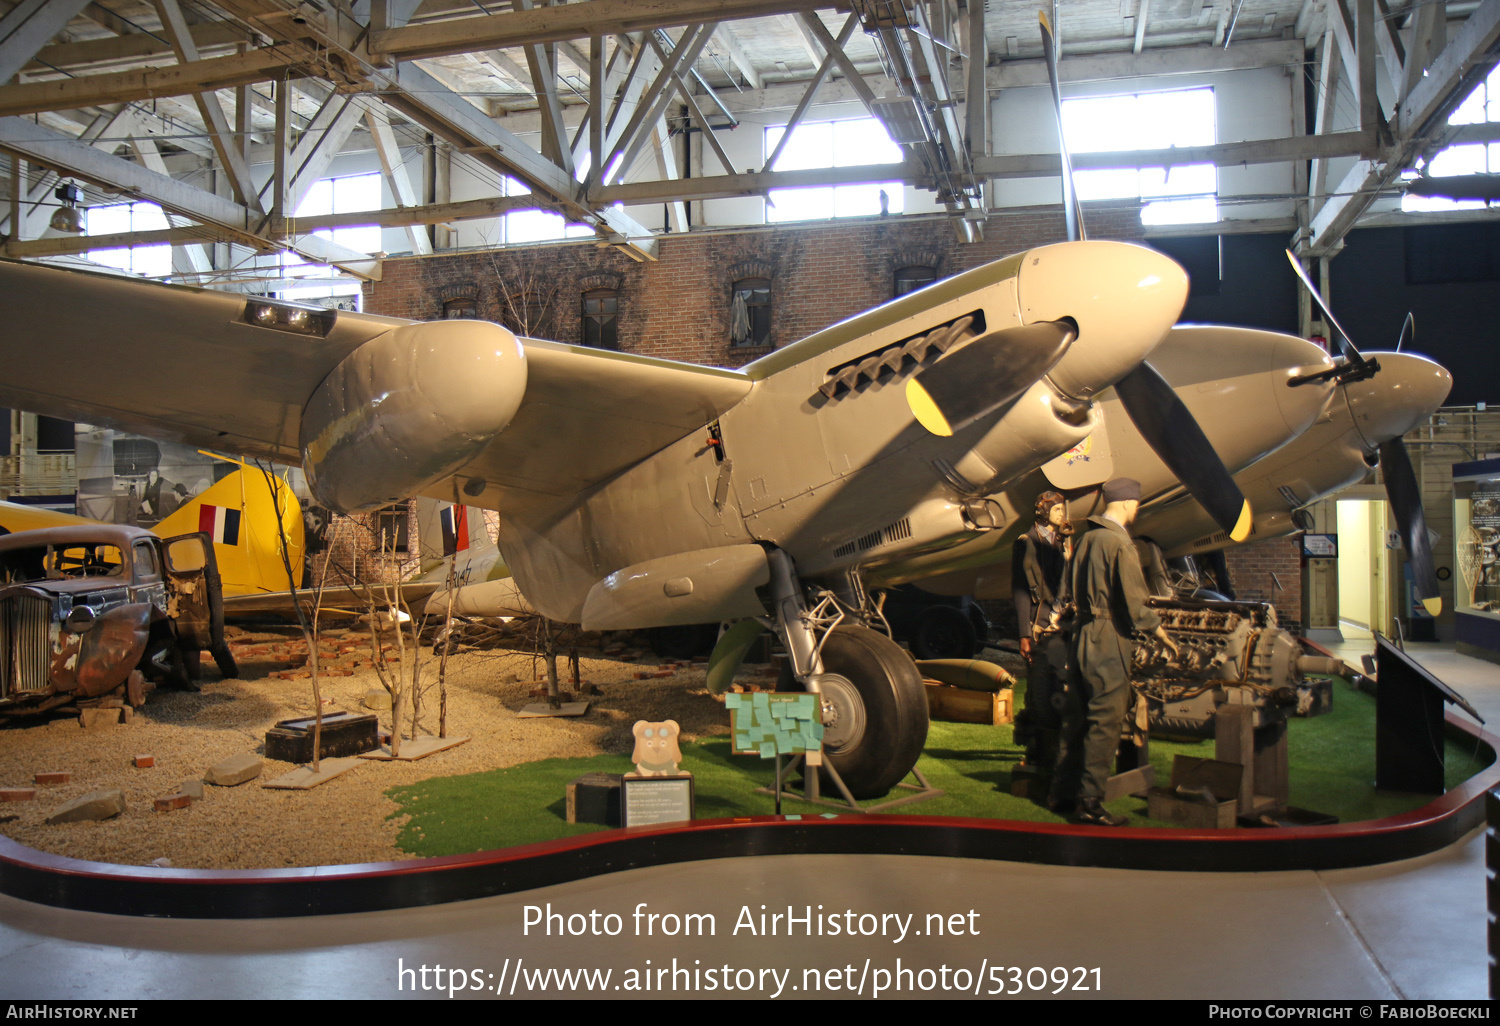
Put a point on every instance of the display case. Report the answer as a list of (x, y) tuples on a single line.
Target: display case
[(1476, 588)]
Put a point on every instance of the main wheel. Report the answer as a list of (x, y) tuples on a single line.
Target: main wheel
[(874, 711), (943, 632)]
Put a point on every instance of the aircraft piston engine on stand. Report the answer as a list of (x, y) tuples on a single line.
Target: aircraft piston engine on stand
[(1229, 652)]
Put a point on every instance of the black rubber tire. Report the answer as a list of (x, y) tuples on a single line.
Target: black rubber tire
[(981, 628), (943, 632), (894, 705)]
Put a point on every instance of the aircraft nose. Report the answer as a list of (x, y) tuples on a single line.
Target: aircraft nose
[(1123, 298), (1404, 393)]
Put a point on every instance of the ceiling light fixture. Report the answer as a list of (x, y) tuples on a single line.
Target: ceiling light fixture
[(68, 218)]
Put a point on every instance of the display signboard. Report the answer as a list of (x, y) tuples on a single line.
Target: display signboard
[(771, 723), (1484, 509), (664, 799)]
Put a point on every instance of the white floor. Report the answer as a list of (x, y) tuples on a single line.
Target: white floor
[(1413, 929)]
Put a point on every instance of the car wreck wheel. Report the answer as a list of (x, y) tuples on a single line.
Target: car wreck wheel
[(135, 689), (944, 632), (874, 711)]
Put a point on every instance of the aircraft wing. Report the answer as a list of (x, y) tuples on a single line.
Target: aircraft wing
[(16, 517), (342, 599), (165, 361), (589, 414), (193, 365)]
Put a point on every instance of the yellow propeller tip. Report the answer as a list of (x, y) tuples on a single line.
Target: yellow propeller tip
[(1434, 606), (926, 411), (1243, 525), (1042, 17)]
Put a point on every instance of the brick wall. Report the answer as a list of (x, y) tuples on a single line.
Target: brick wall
[(678, 307), (1270, 571), (353, 555)]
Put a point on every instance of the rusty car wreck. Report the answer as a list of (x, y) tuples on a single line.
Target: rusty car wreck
[(90, 611)]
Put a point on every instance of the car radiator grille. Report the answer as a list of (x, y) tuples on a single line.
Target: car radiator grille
[(24, 644)]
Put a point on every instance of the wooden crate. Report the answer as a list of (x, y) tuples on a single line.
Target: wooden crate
[(961, 705), (343, 734), (1221, 778), (595, 798)]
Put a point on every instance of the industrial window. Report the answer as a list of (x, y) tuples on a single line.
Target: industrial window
[(833, 144), (601, 311), (909, 279), (527, 313), (346, 195), (1180, 194), (750, 313), (1481, 107), (391, 528), (135, 457), (536, 225), (460, 310), (125, 218)]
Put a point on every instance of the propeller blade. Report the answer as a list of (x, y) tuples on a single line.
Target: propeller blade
[(1072, 212), (1408, 329), (1406, 503), (1169, 428), (1345, 342), (982, 376)]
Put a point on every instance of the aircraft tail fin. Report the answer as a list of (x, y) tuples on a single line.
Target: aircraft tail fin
[(445, 529), (239, 513)]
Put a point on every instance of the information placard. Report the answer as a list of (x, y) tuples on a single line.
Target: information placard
[(666, 799), (1320, 546)]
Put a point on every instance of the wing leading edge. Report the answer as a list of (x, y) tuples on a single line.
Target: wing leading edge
[(197, 366), (165, 361)]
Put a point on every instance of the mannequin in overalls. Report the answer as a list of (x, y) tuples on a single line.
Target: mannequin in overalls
[(1038, 562)]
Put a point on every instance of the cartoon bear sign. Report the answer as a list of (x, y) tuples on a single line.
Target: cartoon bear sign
[(656, 752)]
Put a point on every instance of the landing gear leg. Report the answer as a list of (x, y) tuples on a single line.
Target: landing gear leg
[(873, 705), (800, 636)]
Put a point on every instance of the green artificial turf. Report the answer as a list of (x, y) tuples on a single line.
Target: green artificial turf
[(1331, 757)]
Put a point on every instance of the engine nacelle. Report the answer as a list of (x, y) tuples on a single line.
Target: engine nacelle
[(408, 408)]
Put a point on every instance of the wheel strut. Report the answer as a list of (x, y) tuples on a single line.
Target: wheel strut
[(796, 625), (794, 621)]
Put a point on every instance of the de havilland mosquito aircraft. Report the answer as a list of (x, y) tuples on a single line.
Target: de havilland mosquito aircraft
[(636, 492)]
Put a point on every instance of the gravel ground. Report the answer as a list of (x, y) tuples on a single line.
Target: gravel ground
[(344, 820)]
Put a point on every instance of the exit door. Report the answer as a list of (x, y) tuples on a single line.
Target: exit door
[(1364, 568)]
